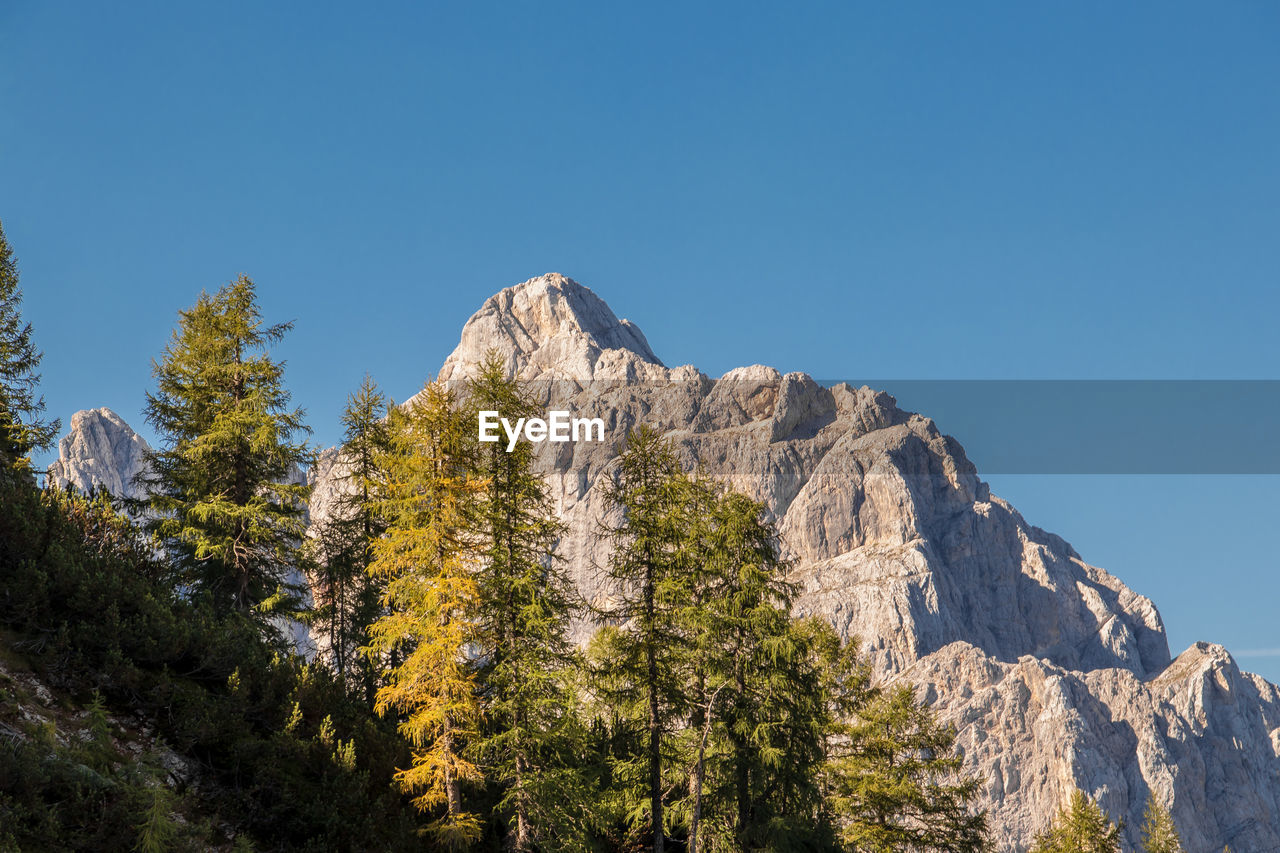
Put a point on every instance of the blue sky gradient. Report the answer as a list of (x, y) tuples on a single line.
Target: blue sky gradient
[(920, 190)]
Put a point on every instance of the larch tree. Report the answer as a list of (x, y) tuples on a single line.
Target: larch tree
[(895, 780), (1159, 834), (427, 558), (219, 490), (646, 642), (1081, 826), (23, 429), (348, 599), (755, 746), (526, 602)]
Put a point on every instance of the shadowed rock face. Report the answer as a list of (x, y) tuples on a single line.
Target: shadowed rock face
[(1056, 675)]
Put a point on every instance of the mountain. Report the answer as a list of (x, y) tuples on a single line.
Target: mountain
[(1056, 675), (101, 450)]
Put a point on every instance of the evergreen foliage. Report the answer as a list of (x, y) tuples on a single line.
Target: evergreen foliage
[(644, 655), (1159, 834), (427, 559), (89, 604), (22, 427), (894, 780), (1081, 826), (530, 742), (347, 598), (753, 743), (219, 496)]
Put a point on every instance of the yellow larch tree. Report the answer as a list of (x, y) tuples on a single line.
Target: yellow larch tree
[(427, 559)]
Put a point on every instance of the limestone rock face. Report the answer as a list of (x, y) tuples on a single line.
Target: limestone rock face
[(101, 450)]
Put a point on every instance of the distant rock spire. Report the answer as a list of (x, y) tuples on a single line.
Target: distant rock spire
[(100, 450)]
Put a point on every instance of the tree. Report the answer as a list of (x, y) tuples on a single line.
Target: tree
[(219, 494), (348, 599), (22, 428), (645, 678), (893, 780), (526, 603), (1159, 834), (428, 558), (1081, 826), (757, 718)]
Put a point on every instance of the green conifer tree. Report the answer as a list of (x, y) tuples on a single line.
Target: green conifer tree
[(22, 427), (1159, 834), (895, 780), (428, 558), (1081, 826), (348, 599), (219, 496), (757, 722), (530, 743), (645, 679)]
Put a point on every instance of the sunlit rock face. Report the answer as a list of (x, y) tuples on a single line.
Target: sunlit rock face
[(100, 451), (1056, 675)]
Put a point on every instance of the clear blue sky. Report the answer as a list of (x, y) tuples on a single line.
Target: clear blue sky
[(921, 190)]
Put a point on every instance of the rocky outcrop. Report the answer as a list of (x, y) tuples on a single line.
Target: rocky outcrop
[(100, 451)]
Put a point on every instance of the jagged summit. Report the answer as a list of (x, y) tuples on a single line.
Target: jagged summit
[(552, 327), (100, 450)]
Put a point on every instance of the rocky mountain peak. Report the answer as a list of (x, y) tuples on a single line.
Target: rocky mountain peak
[(101, 450), (551, 327)]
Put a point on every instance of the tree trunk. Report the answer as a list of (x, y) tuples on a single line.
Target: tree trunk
[(452, 790), (701, 720), (655, 759), (524, 834), (741, 771), (655, 725)]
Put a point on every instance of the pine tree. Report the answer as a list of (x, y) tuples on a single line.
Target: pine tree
[(347, 598), (22, 429), (894, 781), (645, 678), (1081, 826), (526, 603), (1159, 834), (219, 496), (428, 558), (757, 720)]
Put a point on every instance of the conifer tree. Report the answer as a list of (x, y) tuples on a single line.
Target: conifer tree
[(219, 496), (1081, 826), (1159, 834), (895, 780), (348, 599), (22, 427), (428, 558), (646, 676), (756, 745), (526, 602)]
